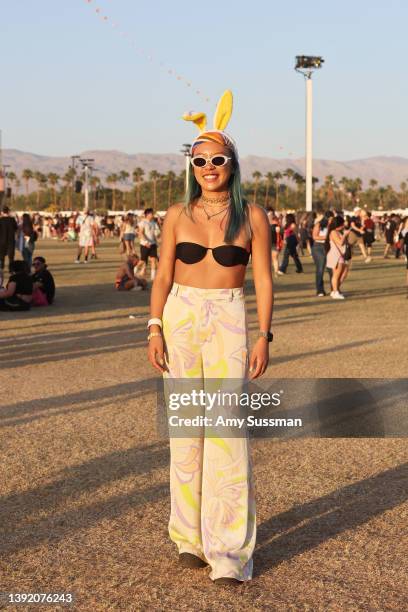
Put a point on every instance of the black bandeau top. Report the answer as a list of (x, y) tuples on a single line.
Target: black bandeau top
[(226, 254)]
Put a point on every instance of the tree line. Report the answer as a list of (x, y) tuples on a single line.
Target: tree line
[(123, 190)]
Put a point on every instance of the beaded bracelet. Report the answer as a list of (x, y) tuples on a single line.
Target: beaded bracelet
[(154, 321)]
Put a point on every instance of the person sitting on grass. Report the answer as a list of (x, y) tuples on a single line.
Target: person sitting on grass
[(43, 283), (128, 276), (18, 294), (70, 233)]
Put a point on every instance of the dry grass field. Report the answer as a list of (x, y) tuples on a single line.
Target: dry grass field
[(84, 476)]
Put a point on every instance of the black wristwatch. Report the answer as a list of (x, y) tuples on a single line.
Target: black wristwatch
[(268, 335)]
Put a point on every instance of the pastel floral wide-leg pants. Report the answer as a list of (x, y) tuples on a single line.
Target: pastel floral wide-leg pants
[(211, 485)]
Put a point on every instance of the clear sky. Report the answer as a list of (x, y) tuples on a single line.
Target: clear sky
[(71, 81)]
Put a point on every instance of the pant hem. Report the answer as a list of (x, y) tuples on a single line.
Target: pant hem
[(189, 548), (228, 570)]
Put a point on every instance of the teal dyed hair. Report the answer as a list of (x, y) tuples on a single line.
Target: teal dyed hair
[(239, 206)]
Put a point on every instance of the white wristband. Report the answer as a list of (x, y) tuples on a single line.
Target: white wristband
[(155, 321)]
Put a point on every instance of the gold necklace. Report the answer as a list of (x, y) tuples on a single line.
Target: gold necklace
[(222, 200)]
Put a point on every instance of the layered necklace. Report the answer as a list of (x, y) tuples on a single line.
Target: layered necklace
[(224, 201)]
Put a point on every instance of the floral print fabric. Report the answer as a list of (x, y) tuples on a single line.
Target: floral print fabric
[(211, 485)]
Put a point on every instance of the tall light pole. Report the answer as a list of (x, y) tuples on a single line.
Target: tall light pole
[(306, 64), (74, 159), (86, 164), (5, 176), (186, 152)]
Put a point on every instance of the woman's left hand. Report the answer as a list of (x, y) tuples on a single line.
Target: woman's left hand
[(259, 358)]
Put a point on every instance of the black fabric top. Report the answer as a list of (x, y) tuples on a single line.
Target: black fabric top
[(274, 234), (226, 255), (47, 283), (24, 283), (357, 222), (8, 228)]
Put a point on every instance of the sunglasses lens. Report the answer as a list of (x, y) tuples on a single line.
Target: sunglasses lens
[(199, 162), (219, 160)]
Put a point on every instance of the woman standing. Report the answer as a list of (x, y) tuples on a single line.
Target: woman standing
[(319, 234), (199, 330), (291, 242), (26, 239), (276, 239), (128, 234), (336, 256)]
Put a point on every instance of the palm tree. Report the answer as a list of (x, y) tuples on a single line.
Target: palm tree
[(68, 179), (137, 177), (358, 184), (344, 189), (328, 187), (299, 180), (53, 179), (256, 176), (17, 183), (94, 182), (403, 187), (154, 177), (289, 173), (41, 181), (27, 175), (171, 176), (381, 196), (11, 178), (112, 179), (123, 176), (277, 176), (268, 181)]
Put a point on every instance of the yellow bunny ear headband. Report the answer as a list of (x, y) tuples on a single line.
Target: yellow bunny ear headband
[(221, 118)]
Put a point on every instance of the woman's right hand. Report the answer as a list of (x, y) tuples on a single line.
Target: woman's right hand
[(155, 353)]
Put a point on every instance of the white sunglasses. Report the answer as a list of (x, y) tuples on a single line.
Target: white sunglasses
[(199, 161)]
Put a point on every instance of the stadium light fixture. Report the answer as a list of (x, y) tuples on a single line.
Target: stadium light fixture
[(87, 165)]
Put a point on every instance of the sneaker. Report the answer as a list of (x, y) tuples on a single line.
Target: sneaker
[(280, 273), (85, 261), (228, 581), (192, 561), (321, 295), (336, 295), (77, 260), (367, 260)]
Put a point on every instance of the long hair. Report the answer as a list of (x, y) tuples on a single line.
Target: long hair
[(290, 218), (334, 223), (27, 223), (238, 215)]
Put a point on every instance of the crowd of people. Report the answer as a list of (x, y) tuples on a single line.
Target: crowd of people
[(329, 237)]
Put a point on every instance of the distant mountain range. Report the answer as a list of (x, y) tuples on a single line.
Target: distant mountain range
[(385, 170)]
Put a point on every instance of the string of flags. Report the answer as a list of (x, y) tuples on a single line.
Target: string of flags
[(143, 52)]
